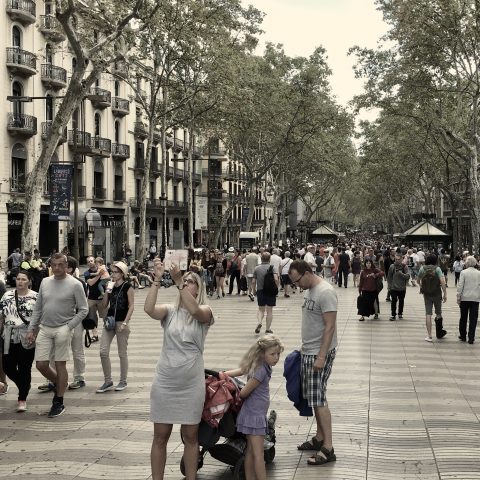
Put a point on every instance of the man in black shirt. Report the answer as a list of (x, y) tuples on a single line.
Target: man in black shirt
[(94, 303), (343, 267)]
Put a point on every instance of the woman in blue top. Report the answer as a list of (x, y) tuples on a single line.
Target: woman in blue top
[(257, 363)]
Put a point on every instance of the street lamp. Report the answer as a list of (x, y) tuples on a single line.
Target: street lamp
[(301, 229), (163, 206)]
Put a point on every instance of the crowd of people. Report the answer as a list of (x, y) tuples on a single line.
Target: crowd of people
[(36, 327)]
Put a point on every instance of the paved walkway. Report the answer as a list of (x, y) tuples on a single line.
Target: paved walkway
[(402, 408)]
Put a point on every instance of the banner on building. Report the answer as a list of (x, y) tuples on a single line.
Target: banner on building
[(245, 212), (60, 191), (201, 213)]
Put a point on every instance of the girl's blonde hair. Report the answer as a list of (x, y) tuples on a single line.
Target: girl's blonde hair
[(255, 354), (202, 293)]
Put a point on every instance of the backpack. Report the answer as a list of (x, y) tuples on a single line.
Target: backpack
[(444, 261), (269, 285), (219, 270), (430, 281), (234, 265)]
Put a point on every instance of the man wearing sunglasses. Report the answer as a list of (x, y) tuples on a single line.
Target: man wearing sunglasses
[(319, 341)]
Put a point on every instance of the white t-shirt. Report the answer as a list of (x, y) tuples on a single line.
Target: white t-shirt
[(310, 259), (275, 260), (285, 265), (421, 256)]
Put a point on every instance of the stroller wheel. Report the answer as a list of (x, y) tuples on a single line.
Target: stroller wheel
[(182, 464), (239, 469), (269, 455)]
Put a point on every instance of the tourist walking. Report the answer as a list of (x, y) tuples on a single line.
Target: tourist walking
[(432, 284), (220, 273), (368, 289), (458, 265), (178, 388), (285, 279), (397, 278), (468, 297), (119, 300), (356, 268), (251, 261), (266, 299), (16, 307)]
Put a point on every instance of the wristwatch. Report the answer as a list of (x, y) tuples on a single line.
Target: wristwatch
[(181, 287)]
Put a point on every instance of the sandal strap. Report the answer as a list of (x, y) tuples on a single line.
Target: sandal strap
[(328, 453)]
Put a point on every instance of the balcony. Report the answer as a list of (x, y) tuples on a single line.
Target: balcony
[(119, 196), (141, 95), (102, 147), (53, 77), (156, 168), (197, 177), (218, 197), (120, 151), (100, 97), (197, 153), (22, 10), (120, 69), (178, 145), (140, 130), (152, 203), (17, 184), (168, 141), (120, 106), (46, 127), (51, 28), (19, 124), (21, 62), (99, 194), (81, 143), (214, 150), (176, 208)]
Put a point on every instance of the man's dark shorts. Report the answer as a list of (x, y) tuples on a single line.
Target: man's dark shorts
[(265, 300)]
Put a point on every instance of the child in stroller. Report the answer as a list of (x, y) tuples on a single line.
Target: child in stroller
[(232, 450)]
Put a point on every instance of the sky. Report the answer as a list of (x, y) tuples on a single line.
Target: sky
[(337, 25)]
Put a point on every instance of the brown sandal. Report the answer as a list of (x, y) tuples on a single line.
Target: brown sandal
[(312, 444), (328, 456)]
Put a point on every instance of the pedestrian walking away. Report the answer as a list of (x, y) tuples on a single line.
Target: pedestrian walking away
[(178, 388), (368, 303), (432, 284), (319, 342), (468, 298), (257, 364)]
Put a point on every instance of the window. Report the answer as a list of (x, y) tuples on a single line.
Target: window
[(48, 108), (48, 8), (19, 165), (17, 91), (152, 191), (117, 132), (118, 183), (98, 180), (138, 189), (98, 124), (175, 193), (48, 54), (117, 88), (16, 37), (75, 124)]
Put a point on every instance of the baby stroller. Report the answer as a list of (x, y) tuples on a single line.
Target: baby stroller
[(232, 450)]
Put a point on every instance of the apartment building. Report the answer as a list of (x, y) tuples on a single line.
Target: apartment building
[(105, 141)]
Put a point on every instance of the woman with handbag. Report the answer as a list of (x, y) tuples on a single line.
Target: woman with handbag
[(178, 389), (369, 287), (16, 307), (119, 300)]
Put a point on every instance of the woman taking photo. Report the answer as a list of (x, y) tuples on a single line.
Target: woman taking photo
[(16, 309), (368, 289), (178, 389), (119, 300)]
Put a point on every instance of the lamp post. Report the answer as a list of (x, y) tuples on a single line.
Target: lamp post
[(163, 206), (301, 229)]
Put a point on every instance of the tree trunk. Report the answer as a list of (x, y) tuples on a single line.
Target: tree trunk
[(191, 221), (35, 179), (163, 174), (475, 195), (251, 212)]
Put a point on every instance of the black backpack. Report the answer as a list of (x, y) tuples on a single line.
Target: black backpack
[(269, 285), (430, 281)]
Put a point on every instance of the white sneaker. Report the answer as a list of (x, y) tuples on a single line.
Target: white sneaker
[(428, 339), (21, 406)]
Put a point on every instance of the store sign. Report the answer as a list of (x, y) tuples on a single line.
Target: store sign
[(113, 223), (201, 213), (15, 223), (60, 192)]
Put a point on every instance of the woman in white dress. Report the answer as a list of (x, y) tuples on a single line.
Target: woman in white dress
[(178, 389)]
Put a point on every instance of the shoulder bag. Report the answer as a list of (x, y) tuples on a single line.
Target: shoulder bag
[(25, 345), (109, 320)]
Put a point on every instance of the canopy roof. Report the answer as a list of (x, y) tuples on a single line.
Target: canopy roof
[(424, 229), (323, 231)]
